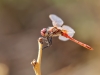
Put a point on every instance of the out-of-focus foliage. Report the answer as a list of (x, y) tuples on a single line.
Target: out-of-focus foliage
[(20, 25)]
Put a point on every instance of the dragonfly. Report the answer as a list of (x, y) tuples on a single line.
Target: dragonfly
[(63, 32)]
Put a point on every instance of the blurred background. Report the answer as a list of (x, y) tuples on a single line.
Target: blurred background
[(20, 25)]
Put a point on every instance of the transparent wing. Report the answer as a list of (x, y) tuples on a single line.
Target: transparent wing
[(63, 38), (56, 21), (70, 32)]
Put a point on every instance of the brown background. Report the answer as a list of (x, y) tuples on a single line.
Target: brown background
[(20, 25)]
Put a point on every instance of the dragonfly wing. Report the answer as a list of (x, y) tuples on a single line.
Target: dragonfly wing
[(56, 21), (62, 38), (69, 30)]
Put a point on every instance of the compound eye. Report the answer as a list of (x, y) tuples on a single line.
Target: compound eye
[(43, 31)]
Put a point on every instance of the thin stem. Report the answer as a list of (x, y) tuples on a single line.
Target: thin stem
[(37, 64)]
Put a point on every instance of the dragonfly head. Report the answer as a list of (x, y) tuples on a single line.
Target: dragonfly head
[(44, 31)]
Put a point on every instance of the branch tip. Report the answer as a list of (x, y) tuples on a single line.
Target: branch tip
[(34, 62)]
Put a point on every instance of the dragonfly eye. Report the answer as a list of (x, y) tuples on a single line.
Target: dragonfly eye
[(43, 31)]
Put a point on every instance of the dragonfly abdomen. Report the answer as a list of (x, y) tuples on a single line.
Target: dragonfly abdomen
[(78, 42)]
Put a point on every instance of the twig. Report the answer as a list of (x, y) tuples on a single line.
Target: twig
[(37, 64)]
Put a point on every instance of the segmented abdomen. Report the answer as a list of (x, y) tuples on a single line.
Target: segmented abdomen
[(78, 42)]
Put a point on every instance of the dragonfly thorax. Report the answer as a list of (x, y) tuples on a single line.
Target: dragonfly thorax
[(54, 31)]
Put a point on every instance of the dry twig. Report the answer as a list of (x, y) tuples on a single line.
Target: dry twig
[(37, 63)]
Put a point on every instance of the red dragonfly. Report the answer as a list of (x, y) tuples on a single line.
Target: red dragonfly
[(63, 32)]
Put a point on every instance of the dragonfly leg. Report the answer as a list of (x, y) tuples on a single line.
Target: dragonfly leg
[(49, 42)]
